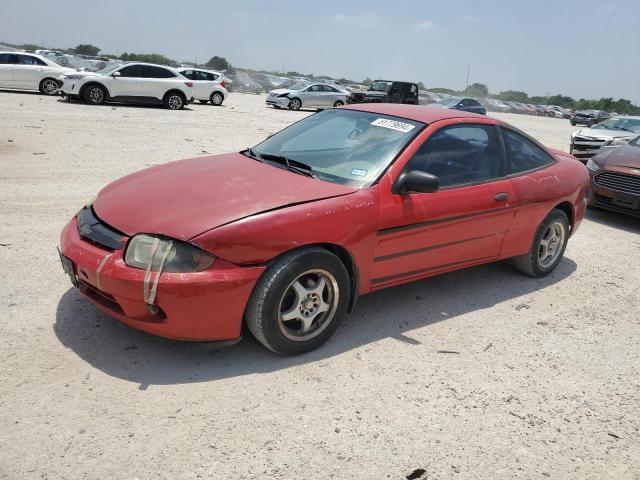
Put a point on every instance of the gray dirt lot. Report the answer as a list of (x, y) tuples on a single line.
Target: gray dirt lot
[(545, 382)]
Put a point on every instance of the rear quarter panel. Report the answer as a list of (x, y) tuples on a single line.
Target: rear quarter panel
[(539, 192)]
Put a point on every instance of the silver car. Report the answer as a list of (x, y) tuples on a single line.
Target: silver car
[(586, 142), (304, 95)]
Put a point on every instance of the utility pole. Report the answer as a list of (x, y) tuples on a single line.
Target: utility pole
[(466, 90)]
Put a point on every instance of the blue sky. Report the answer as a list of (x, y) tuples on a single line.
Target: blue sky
[(582, 48)]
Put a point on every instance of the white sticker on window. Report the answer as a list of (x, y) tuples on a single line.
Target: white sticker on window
[(358, 172), (393, 125)]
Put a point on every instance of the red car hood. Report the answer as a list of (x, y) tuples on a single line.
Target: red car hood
[(185, 198)]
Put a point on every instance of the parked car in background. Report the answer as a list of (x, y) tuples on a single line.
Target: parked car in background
[(28, 71), (614, 175), (208, 86), (463, 104), (316, 95), (243, 83), (588, 117), (143, 83), (267, 82), (387, 91), (338, 205), (586, 142)]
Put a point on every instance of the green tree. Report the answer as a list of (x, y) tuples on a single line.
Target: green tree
[(478, 90), (87, 49), (147, 57), (218, 63)]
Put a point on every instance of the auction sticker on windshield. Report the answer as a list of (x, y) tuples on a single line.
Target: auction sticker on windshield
[(393, 125)]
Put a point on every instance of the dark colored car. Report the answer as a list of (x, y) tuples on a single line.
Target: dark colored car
[(615, 179), (387, 91), (285, 236), (243, 83), (463, 104), (588, 117)]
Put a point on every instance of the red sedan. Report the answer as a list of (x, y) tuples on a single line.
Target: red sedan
[(285, 236)]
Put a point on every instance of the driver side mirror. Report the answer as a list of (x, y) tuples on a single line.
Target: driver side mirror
[(115, 74), (416, 181)]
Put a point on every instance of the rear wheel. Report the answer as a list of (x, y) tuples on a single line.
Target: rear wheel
[(95, 95), (216, 99), (548, 247), (299, 301), (48, 86), (174, 101), (295, 104)]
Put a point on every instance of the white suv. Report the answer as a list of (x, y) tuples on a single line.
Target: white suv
[(27, 71), (208, 86), (130, 83)]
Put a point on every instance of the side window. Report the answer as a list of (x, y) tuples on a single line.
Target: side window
[(315, 88), (327, 88), (460, 154), (213, 76), (29, 60), (523, 154), (156, 72), (190, 74), (136, 71), (5, 58)]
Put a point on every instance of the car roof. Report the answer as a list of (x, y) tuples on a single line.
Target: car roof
[(418, 113)]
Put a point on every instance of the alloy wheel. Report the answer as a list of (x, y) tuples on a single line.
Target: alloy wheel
[(175, 102), (49, 87), (96, 95), (308, 305), (217, 99), (551, 243)]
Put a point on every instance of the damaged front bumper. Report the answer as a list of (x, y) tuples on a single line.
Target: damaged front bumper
[(205, 306), (282, 102)]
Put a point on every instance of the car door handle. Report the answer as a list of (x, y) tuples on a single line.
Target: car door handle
[(501, 197)]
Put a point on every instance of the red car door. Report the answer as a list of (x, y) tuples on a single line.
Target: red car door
[(463, 223)]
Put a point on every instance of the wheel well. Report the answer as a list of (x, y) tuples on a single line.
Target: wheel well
[(47, 78), (179, 92), (89, 84), (568, 210)]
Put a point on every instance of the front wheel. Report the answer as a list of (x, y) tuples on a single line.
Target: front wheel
[(216, 99), (299, 301), (295, 104), (95, 95), (338, 104), (548, 247), (173, 101)]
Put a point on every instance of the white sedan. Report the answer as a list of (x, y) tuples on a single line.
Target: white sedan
[(208, 86), (303, 95), (28, 71)]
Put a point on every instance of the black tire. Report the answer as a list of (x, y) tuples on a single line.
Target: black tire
[(277, 107), (174, 100), (531, 264), (573, 123), (95, 94), (295, 104), (216, 99), (338, 104), (48, 86), (275, 289)]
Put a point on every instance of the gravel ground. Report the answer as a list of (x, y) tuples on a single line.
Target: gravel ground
[(541, 379)]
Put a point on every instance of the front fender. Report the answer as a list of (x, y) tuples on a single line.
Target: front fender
[(348, 221)]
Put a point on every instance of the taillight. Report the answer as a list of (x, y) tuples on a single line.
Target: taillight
[(222, 84), (189, 84)]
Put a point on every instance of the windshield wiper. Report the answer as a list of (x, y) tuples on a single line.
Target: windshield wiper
[(250, 153), (292, 165), (625, 129)]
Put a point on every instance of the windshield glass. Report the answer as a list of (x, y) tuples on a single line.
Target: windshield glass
[(636, 142), (343, 146), (380, 86), (299, 86), (449, 101), (109, 69), (625, 124)]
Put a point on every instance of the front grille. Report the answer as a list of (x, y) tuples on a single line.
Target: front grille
[(607, 202), (100, 297), (619, 182), (94, 230), (597, 141)]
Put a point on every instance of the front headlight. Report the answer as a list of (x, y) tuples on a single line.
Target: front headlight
[(74, 76), (593, 166), (179, 256), (620, 141)]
